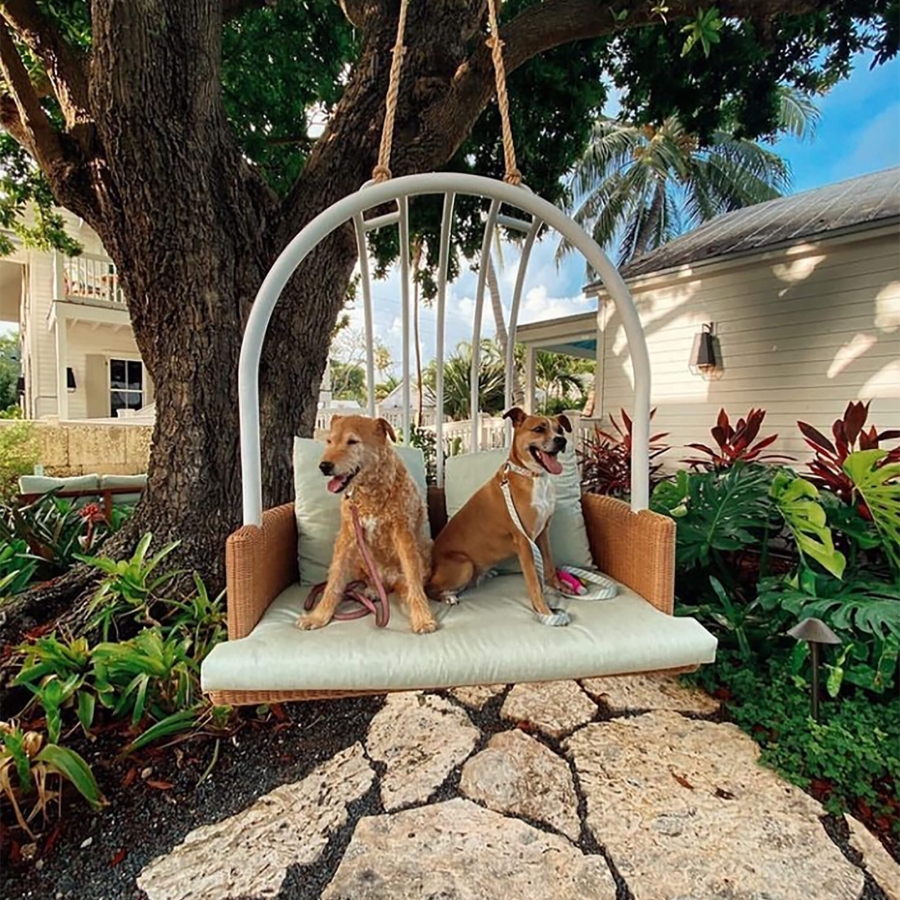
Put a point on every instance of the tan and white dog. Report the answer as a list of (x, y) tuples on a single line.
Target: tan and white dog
[(483, 533), (360, 463)]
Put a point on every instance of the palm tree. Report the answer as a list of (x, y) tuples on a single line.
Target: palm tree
[(642, 185), (458, 380), (559, 376)]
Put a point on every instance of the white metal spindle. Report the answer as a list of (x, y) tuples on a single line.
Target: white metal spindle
[(404, 292), (489, 227), (365, 282), (443, 265)]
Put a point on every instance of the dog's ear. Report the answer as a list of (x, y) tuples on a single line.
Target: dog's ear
[(384, 427), (335, 418), (564, 422), (517, 415)]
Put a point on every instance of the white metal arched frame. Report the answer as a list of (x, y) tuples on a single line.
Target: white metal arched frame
[(449, 184)]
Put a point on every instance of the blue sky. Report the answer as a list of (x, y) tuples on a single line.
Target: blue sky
[(858, 133)]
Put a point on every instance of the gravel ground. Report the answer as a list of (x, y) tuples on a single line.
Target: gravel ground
[(98, 856)]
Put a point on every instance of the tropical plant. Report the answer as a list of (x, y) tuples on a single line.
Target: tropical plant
[(735, 442), (876, 480), (718, 512), (28, 764), (558, 376), (605, 458), (458, 380), (148, 676), (127, 586), (806, 519), (55, 531), (16, 569), (863, 611), (850, 434), (9, 371), (641, 185)]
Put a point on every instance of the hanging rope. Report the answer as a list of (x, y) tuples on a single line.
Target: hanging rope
[(513, 175), (382, 171)]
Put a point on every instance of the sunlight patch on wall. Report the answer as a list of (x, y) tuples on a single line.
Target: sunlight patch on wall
[(853, 349), (885, 383), (887, 307), (798, 269)]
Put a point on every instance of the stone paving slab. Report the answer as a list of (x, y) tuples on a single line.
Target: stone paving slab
[(628, 693), (458, 851), (477, 695), (554, 707), (517, 774), (421, 738), (680, 807), (685, 811), (248, 854), (880, 864)]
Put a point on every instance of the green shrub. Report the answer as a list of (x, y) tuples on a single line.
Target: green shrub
[(854, 748), (18, 455)]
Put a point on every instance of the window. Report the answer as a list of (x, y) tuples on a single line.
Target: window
[(126, 385)]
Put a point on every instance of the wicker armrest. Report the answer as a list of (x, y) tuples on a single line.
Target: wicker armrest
[(259, 564), (637, 549)]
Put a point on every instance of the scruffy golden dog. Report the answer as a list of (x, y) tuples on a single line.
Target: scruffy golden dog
[(360, 462), (483, 533)]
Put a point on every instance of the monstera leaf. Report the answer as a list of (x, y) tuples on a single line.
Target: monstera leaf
[(717, 511), (879, 486), (797, 501)]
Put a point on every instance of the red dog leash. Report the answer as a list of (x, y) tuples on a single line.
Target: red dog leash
[(379, 608)]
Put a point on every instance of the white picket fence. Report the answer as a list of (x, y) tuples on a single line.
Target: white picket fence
[(455, 436)]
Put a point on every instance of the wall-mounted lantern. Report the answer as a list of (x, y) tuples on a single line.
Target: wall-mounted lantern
[(70, 380), (704, 356)]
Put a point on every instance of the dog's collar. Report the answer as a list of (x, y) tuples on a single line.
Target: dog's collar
[(510, 466)]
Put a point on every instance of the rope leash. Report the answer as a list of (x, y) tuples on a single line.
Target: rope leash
[(354, 591), (604, 588)]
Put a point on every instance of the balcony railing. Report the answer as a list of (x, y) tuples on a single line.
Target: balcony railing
[(89, 277)]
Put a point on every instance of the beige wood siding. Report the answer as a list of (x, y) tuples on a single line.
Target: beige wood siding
[(800, 335), (86, 343)]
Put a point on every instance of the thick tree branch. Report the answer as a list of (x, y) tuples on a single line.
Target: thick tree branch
[(40, 137), (64, 66), (547, 25), (9, 118)]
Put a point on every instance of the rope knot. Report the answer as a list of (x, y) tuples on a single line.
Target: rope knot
[(381, 173), (513, 176)]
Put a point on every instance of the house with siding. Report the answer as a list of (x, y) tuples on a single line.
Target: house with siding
[(78, 356), (801, 295)]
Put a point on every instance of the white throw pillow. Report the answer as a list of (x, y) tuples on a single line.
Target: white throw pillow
[(568, 536), (319, 513)]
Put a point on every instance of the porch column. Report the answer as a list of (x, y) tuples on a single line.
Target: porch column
[(530, 399), (62, 386), (59, 279)]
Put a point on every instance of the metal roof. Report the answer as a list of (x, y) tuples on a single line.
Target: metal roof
[(866, 200)]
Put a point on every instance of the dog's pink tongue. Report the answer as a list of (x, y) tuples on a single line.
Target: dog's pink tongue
[(551, 463), (336, 483)]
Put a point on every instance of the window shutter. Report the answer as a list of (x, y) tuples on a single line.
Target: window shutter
[(96, 370)]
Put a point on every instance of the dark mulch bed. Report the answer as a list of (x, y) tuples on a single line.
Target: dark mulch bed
[(150, 813)]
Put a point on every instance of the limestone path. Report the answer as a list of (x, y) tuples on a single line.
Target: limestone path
[(611, 789)]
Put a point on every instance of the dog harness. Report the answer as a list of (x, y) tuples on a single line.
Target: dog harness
[(604, 589)]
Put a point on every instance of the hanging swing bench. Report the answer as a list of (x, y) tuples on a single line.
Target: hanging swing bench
[(492, 636)]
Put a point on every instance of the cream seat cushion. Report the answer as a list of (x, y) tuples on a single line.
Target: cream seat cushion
[(491, 637)]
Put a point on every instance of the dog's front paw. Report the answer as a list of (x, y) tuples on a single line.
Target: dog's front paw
[(311, 622), (423, 625)]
